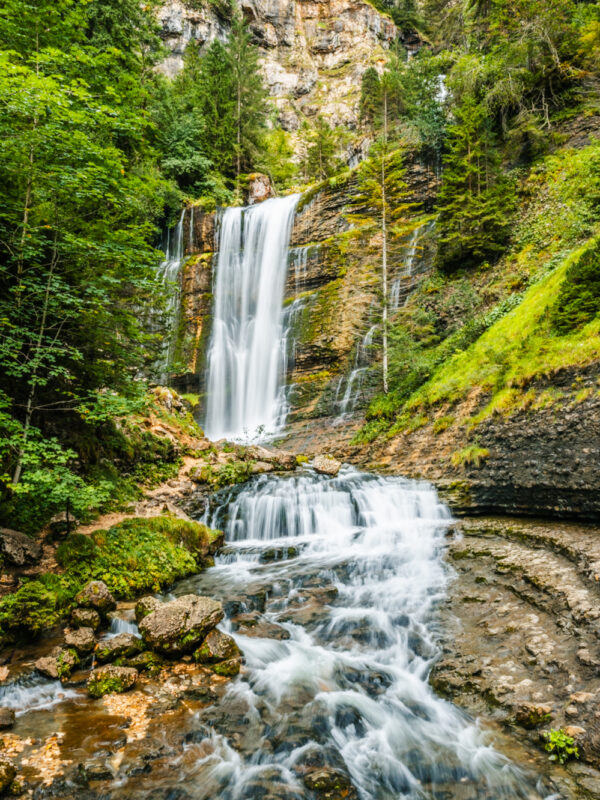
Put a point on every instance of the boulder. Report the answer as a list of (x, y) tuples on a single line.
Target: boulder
[(18, 549), (7, 718), (7, 773), (255, 626), (80, 639), (145, 661), (97, 596), (110, 680), (216, 647), (179, 626), (123, 645), (277, 459), (85, 618), (530, 715), (326, 465), (227, 669), (59, 664), (259, 188), (62, 525), (144, 606)]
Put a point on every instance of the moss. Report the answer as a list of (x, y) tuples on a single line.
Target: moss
[(98, 685), (137, 556), (66, 662), (218, 476), (227, 669), (470, 456), (442, 424)]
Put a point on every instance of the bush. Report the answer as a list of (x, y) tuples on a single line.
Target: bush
[(579, 297), (560, 746)]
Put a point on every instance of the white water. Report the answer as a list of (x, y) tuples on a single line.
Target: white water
[(247, 351), (352, 385), (168, 276), (351, 682)]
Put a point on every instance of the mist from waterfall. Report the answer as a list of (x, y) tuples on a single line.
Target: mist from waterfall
[(246, 357)]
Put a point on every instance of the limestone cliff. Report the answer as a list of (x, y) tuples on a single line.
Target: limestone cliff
[(313, 51)]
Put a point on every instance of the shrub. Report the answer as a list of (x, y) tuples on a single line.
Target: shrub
[(578, 301), (470, 456)]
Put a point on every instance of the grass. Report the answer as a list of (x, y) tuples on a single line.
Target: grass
[(472, 456)]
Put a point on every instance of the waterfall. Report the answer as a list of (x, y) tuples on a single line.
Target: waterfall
[(167, 275), (247, 351)]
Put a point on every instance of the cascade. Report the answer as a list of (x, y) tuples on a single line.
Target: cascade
[(246, 358), (168, 276), (355, 591)]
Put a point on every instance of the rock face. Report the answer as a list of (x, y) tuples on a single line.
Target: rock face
[(96, 595), (259, 188), (18, 549), (179, 626), (109, 680), (313, 53)]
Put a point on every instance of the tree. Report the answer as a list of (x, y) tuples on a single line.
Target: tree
[(370, 98), (250, 107), (382, 210), (322, 144), (476, 200)]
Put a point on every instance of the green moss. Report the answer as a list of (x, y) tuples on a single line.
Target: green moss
[(138, 556), (218, 476), (442, 424), (98, 686)]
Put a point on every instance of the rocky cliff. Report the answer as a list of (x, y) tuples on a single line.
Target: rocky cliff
[(313, 51)]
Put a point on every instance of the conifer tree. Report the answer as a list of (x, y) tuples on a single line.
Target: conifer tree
[(475, 200), (321, 161), (370, 98), (382, 209)]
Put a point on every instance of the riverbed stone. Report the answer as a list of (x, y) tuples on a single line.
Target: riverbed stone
[(326, 465), (111, 680), (254, 625), (530, 715), (85, 618), (96, 595), (80, 639), (179, 626), (8, 773), (123, 645), (58, 664), (330, 783), (216, 647), (144, 606), (7, 718)]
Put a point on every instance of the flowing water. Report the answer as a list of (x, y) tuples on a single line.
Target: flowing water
[(247, 352), (356, 586), (168, 276)]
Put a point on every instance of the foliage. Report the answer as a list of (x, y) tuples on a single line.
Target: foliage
[(322, 144), (473, 455), (578, 300), (132, 558), (561, 747)]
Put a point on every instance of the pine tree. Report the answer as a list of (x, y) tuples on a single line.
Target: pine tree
[(382, 210), (322, 144), (250, 107), (475, 200), (370, 98)]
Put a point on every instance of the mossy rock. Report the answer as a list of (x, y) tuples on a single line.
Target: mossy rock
[(66, 662), (227, 669), (111, 680), (124, 645), (217, 647)]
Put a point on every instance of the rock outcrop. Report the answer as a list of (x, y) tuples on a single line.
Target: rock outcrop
[(17, 549), (313, 54)]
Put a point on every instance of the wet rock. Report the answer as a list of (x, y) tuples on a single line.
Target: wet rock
[(7, 718), (261, 467), (59, 664), (530, 715), (330, 784), (145, 662), (278, 554), (111, 679), (326, 465), (97, 596), (95, 771), (123, 645), (179, 626), (18, 549), (229, 668), (80, 639), (240, 604), (85, 618), (278, 460), (217, 646), (7, 773), (144, 606), (253, 625)]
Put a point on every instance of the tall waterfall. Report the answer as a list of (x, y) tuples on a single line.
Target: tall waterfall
[(247, 350)]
